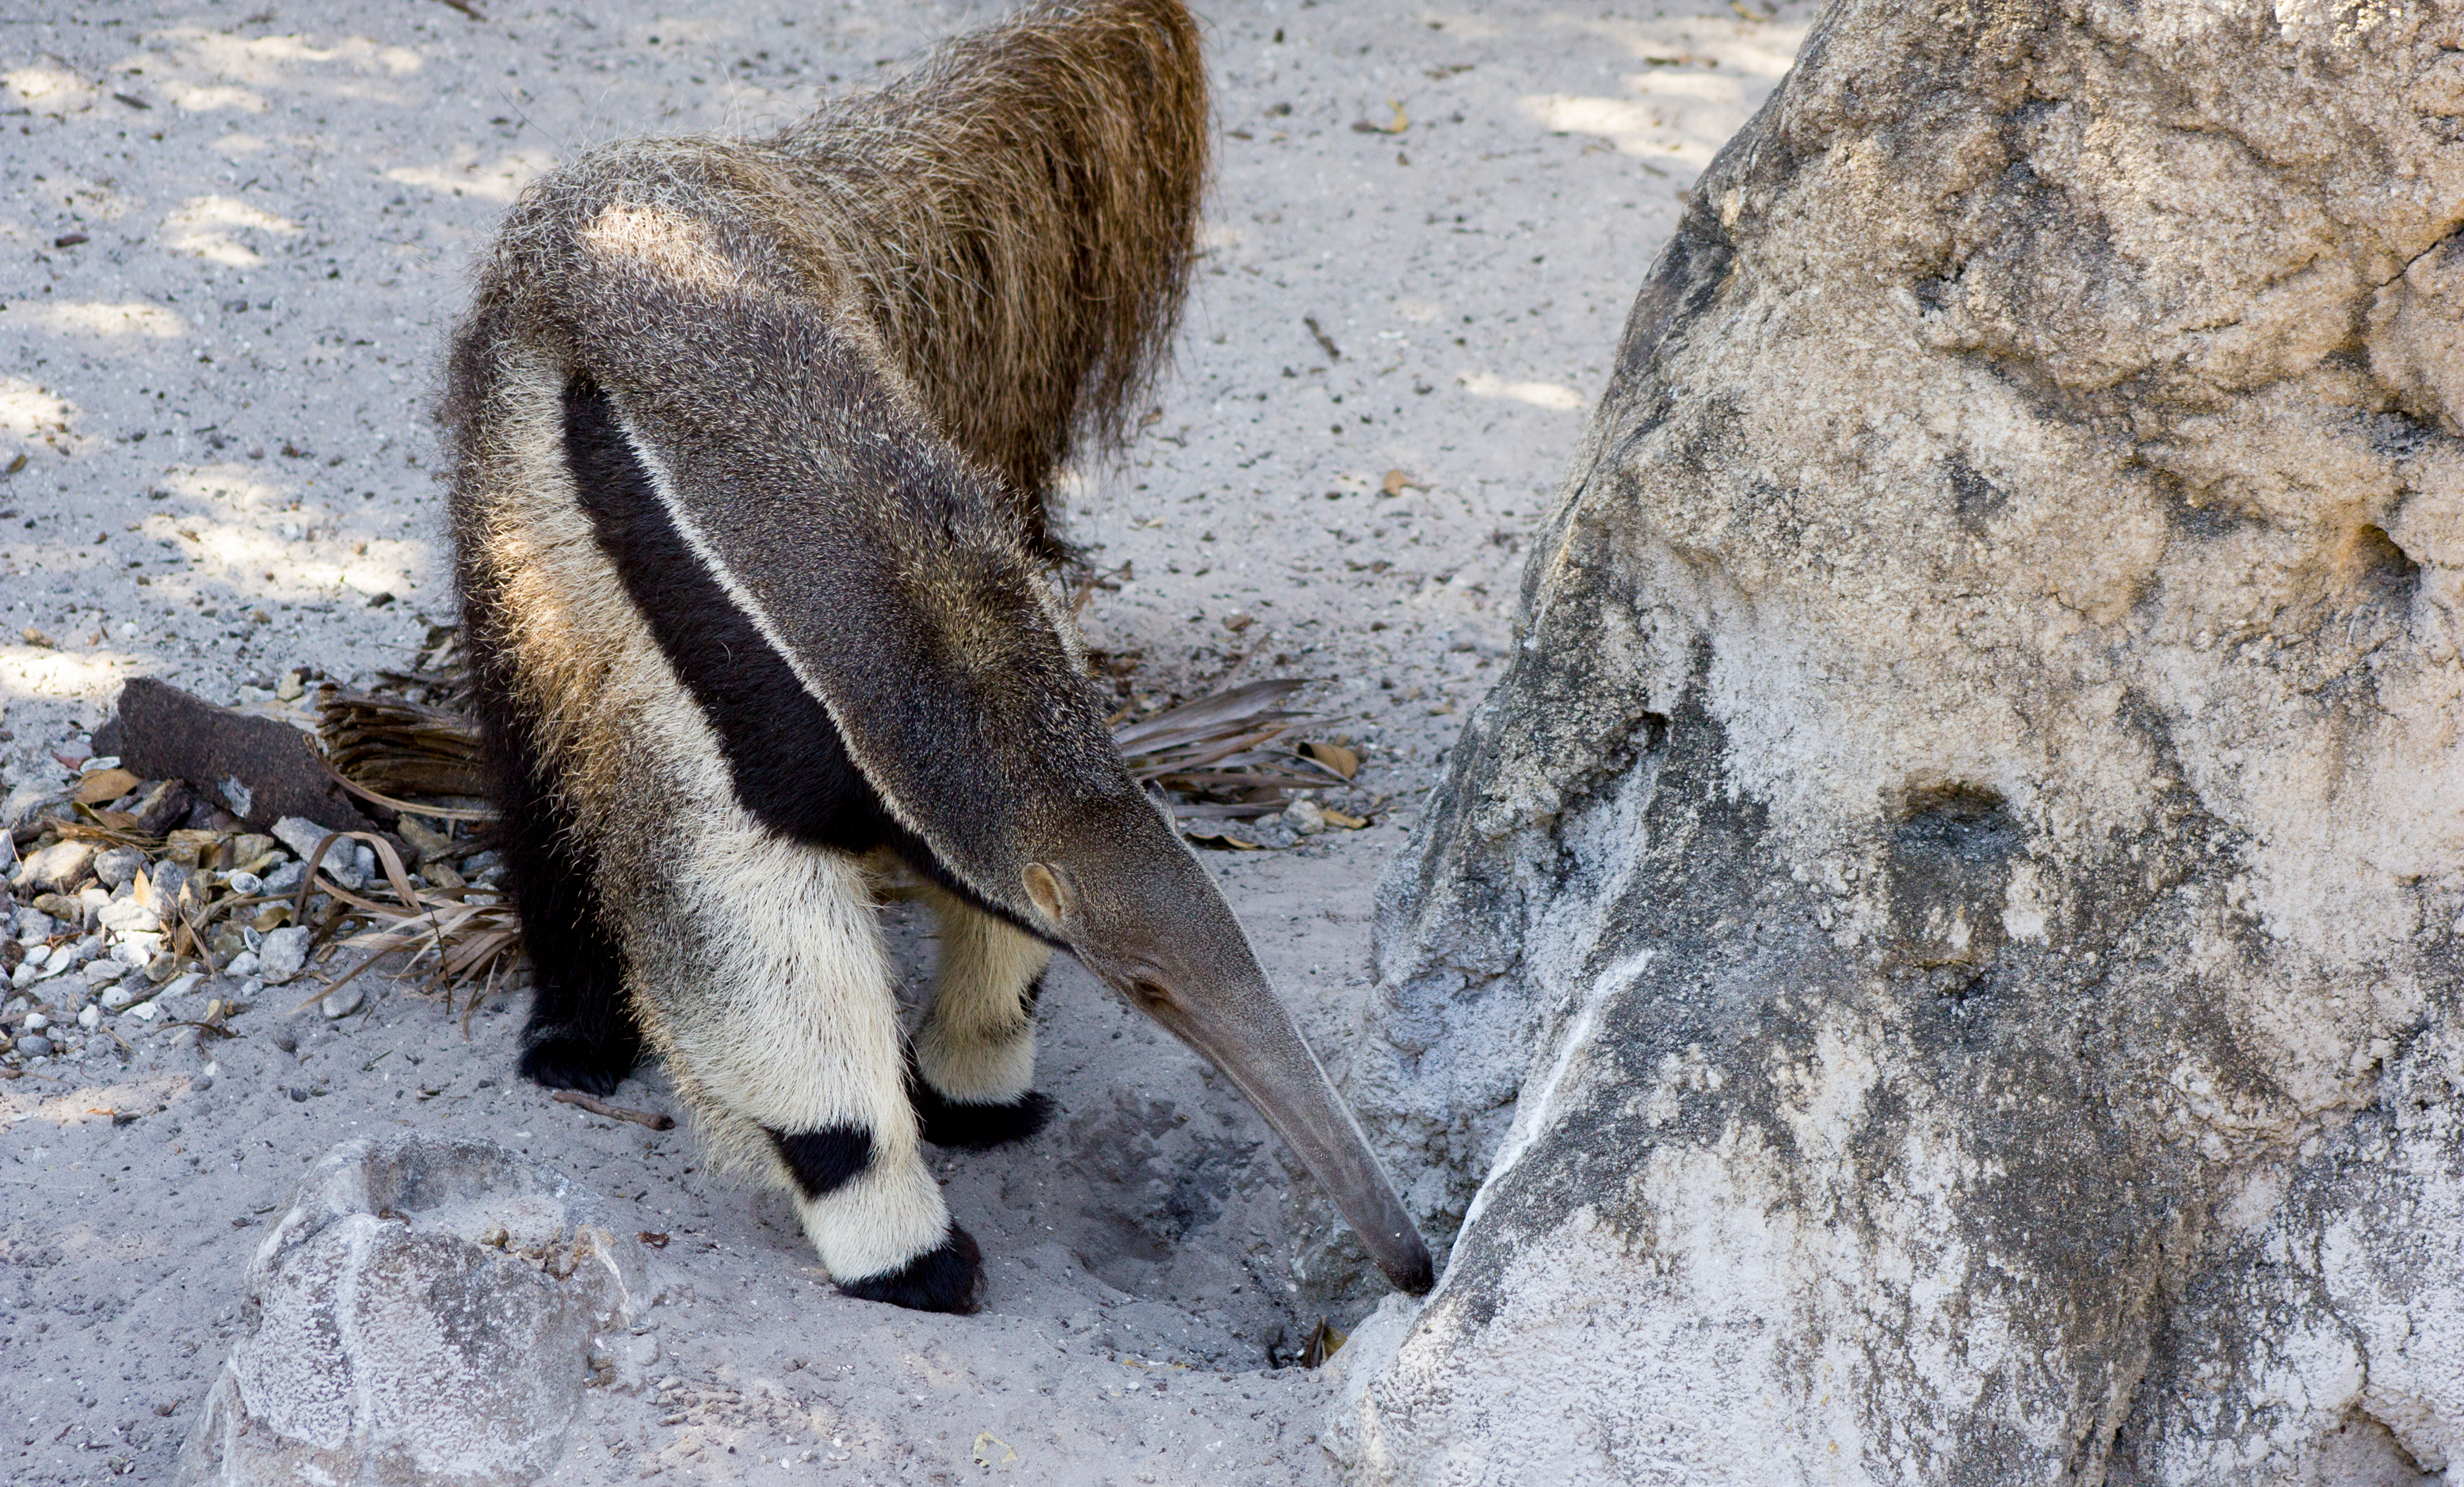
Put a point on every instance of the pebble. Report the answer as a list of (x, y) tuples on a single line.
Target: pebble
[(242, 965), (118, 866), (341, 861), (246, 883), (344, 1001), (34, 1046), (161, 968), (121, 998), (143, 1010), (126, 916), (132, 954), (300, 835), (181, 985), (283, 879), (91, 1018), (284, 955), (36, 1022), (58, 867), (169, 880), (1304, 815), (104, 967), (27, 971), (33, 923)]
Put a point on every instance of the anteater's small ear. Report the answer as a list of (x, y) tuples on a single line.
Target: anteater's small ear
[(1049, 889)]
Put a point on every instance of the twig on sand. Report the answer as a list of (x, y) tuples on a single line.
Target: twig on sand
[(615, 1112), (467, 9)]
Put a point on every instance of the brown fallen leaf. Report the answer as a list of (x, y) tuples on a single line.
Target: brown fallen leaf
[(1398, 481), (1334, 756), (656, 1241), (1218, 839), (106, 784), (1344, 818)]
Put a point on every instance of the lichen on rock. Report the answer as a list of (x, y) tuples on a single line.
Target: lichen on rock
[(1972, 832)]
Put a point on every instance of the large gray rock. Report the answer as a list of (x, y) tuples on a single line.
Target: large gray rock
[(428, 1313), (1917, 973)]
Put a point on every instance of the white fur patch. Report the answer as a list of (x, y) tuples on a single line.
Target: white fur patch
[(977, 1042)]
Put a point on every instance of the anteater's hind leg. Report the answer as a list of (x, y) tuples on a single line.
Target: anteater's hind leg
[(769, 992), (975, 1054), (582, 1034)]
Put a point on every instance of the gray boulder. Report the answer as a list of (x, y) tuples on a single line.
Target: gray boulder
[(428, 1313), (1917, 973)]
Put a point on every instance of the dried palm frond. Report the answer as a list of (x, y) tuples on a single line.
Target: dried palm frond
[(1219, 746), (397, 747), (473, 945)]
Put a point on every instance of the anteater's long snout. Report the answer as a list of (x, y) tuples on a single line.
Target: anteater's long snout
[(1246, 1032), (1136, 908)]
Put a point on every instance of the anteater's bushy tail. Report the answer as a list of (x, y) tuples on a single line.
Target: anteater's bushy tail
[(1021, 213)]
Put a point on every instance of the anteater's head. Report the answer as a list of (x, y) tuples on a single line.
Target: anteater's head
[(1133, 904)]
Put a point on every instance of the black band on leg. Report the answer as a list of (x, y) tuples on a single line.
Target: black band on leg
[(826, 1160), (941, 1278), (974, 1126)]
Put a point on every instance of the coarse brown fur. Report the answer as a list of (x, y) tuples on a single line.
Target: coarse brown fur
[(752, 443), (849, 357)]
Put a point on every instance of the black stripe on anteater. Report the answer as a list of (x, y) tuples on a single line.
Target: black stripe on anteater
[(941, 1278), (826, 1160), (788, 763), (582, 1034)]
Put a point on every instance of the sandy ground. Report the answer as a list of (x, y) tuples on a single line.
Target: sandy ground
[(231, 241)]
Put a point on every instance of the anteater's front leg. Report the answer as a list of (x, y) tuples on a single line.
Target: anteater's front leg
[(974, 1053), (774, 1009)]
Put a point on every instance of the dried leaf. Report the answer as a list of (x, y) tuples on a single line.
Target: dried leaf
[(106, 784), (1398, 481), (1334, 756), (1218, 840), (1344, 819)]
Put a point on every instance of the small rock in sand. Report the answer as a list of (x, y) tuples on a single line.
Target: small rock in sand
[(126, 915), (374, 1287), (284, 955), (123, 996), (59, 868), (91, 1018), (242, 966), (342, 1002), (34, 1046), (118, 866)]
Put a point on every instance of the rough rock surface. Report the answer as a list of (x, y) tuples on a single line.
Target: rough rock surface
[(428, 1313), (1937, 961)]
